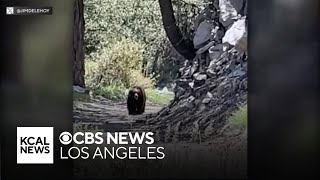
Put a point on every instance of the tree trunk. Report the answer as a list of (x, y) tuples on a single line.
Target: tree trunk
[(182, 46), (78, 44)]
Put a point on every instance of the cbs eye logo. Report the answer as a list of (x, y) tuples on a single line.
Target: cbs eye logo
[(65, 138)]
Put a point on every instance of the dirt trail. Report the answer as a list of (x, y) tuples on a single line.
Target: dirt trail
[(111, 116)]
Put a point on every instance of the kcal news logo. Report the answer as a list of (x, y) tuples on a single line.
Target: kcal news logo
[(34, 145)]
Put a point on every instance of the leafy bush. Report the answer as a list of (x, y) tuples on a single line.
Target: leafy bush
[(137, 79), (118, 65)]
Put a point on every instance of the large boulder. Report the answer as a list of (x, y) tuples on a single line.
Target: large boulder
[(202, 35), (235, 32)]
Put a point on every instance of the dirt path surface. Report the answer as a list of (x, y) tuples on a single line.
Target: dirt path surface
[(110, 115), (226, 155)]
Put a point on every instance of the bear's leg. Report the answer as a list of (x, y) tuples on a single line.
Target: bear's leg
[(143, 107), (131, 106), (134, 108), (139, 106)]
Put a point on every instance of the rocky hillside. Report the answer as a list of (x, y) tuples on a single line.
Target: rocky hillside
[(213, 84)]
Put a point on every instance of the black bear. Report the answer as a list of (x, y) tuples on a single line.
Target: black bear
[(136, 101)]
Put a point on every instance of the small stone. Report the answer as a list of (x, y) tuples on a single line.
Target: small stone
[(191, 84), (226, 47), (209, 95), (200, 77), (206, 100)]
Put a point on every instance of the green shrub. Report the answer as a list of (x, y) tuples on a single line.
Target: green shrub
[(137, 79), (118, 65), (112, 92), (239, 118)]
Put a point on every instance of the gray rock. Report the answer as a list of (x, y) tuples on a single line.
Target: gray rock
[(186, 63), (199, 76), (238, 72), (209, 95), (191, 84), (205, 48), (206, 100), (216, 51), (228, 14), (202, 35), (235, 32), (226, 47), (184, 103), (199, 79)]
